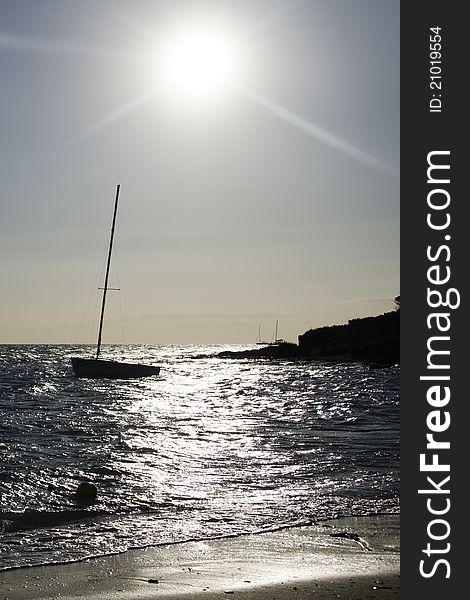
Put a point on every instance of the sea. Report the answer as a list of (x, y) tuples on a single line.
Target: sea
[(210, 448)]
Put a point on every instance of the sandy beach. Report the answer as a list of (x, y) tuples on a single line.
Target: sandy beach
[(350, 558)]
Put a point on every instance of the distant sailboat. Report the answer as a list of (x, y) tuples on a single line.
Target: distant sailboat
[(97, 368), (276, 340), (259, 342)]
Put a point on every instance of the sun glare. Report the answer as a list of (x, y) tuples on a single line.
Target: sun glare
[(198, 63)]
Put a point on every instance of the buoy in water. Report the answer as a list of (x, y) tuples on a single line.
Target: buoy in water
[(86, 491)]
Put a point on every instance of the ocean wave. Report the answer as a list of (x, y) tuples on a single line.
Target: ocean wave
[(213, 448), (34, 519)]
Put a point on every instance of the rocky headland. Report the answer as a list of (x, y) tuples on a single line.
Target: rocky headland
[(373, 340)]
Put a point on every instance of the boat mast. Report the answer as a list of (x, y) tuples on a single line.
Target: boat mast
[(105, 289)]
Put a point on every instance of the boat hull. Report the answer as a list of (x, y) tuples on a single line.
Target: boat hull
[(92, 368)]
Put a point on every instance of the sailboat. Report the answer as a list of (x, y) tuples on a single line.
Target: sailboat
[(97, 368), (259, 342), (276, 340)]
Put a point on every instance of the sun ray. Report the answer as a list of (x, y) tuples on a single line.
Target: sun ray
[(112, 117), (315, 131), (189, 77), (21, 43)]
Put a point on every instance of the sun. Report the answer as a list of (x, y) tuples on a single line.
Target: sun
[(198, 63)]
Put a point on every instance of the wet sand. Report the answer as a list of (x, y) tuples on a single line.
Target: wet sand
[(351, 558)]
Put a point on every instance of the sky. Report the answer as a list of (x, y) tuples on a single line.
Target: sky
[(273, 195)]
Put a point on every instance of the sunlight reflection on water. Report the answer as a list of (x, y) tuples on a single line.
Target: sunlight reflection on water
[(210, 447)]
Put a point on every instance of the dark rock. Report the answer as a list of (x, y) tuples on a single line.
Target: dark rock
[(372, 340), (282, 350)]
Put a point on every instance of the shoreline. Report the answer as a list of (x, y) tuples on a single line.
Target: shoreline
[(275, 529), (349, 557)]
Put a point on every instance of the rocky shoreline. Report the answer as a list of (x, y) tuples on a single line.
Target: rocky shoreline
[(372, 340)]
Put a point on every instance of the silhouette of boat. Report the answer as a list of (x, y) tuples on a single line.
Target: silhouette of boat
[(259, 342), (276, 341), (98, 368)]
